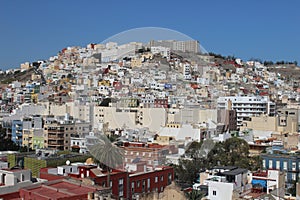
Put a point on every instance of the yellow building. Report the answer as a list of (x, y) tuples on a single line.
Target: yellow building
[(136, 62), (104, 83), (147, 55), (164, 140)]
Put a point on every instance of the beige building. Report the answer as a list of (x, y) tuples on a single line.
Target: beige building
[(57, 134), (33, 138), (25, 65), (132, 118), (136, 62), (171, 192), (286, 121), (192, 115)]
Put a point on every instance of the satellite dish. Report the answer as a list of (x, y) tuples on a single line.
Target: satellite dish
[(68, 162)]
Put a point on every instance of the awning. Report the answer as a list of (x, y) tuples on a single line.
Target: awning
[(263, 183)]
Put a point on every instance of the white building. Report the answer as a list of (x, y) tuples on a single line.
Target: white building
[(187, 71), (163, 51), (247, 106), (3, 165), (13, 179), (223, 182), (185, 132)]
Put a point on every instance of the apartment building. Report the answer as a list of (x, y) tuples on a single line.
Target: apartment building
[(17, 131), (57, 133), (153, 154), (285, 121), (174, 45), (132, 118), (247, 106), (288, 163), (123, 184)]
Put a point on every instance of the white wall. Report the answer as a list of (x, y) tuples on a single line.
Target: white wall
[(219, 190)]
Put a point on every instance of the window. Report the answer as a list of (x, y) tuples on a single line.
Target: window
[(156, 179), (294, 166), (22, 177), (162, 178), (169, 178), (270, 164), (144, 185), (285, 165), (121, 187), (277, 164), (148, 183), (214, 193), (132, 187)]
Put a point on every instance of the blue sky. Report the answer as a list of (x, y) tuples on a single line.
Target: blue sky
[(266, 29)]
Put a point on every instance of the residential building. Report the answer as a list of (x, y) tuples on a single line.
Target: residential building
[(222, 182), (153, 154), (124, 185), (285, 121), (247, 106), (60, 189), (174, 45), (16, 132), (269, 181), (289, 163), (13, 179)]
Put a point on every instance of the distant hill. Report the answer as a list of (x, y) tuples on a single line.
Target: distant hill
[(8, 78)]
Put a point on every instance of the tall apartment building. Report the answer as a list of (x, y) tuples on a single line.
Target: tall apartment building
[(57, 133), (17, 131), (32, 133), (174, 45), (247, 106), (59, 130)]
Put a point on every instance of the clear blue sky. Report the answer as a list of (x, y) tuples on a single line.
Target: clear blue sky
[(34, 29)]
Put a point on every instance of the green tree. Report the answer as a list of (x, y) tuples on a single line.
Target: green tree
[(292, 189), (194, 195), (237, 152), (187, 170), (207, 154), (6, 143)]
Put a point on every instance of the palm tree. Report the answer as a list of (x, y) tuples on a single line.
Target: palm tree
[(107, 153)]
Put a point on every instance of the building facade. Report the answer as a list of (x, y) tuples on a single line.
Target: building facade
[(247, 106)]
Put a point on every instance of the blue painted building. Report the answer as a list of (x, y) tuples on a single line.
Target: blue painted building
[(16, 131), (286, 162)]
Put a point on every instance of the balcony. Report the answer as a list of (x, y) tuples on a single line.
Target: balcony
[(55, 143), (56, 137)]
